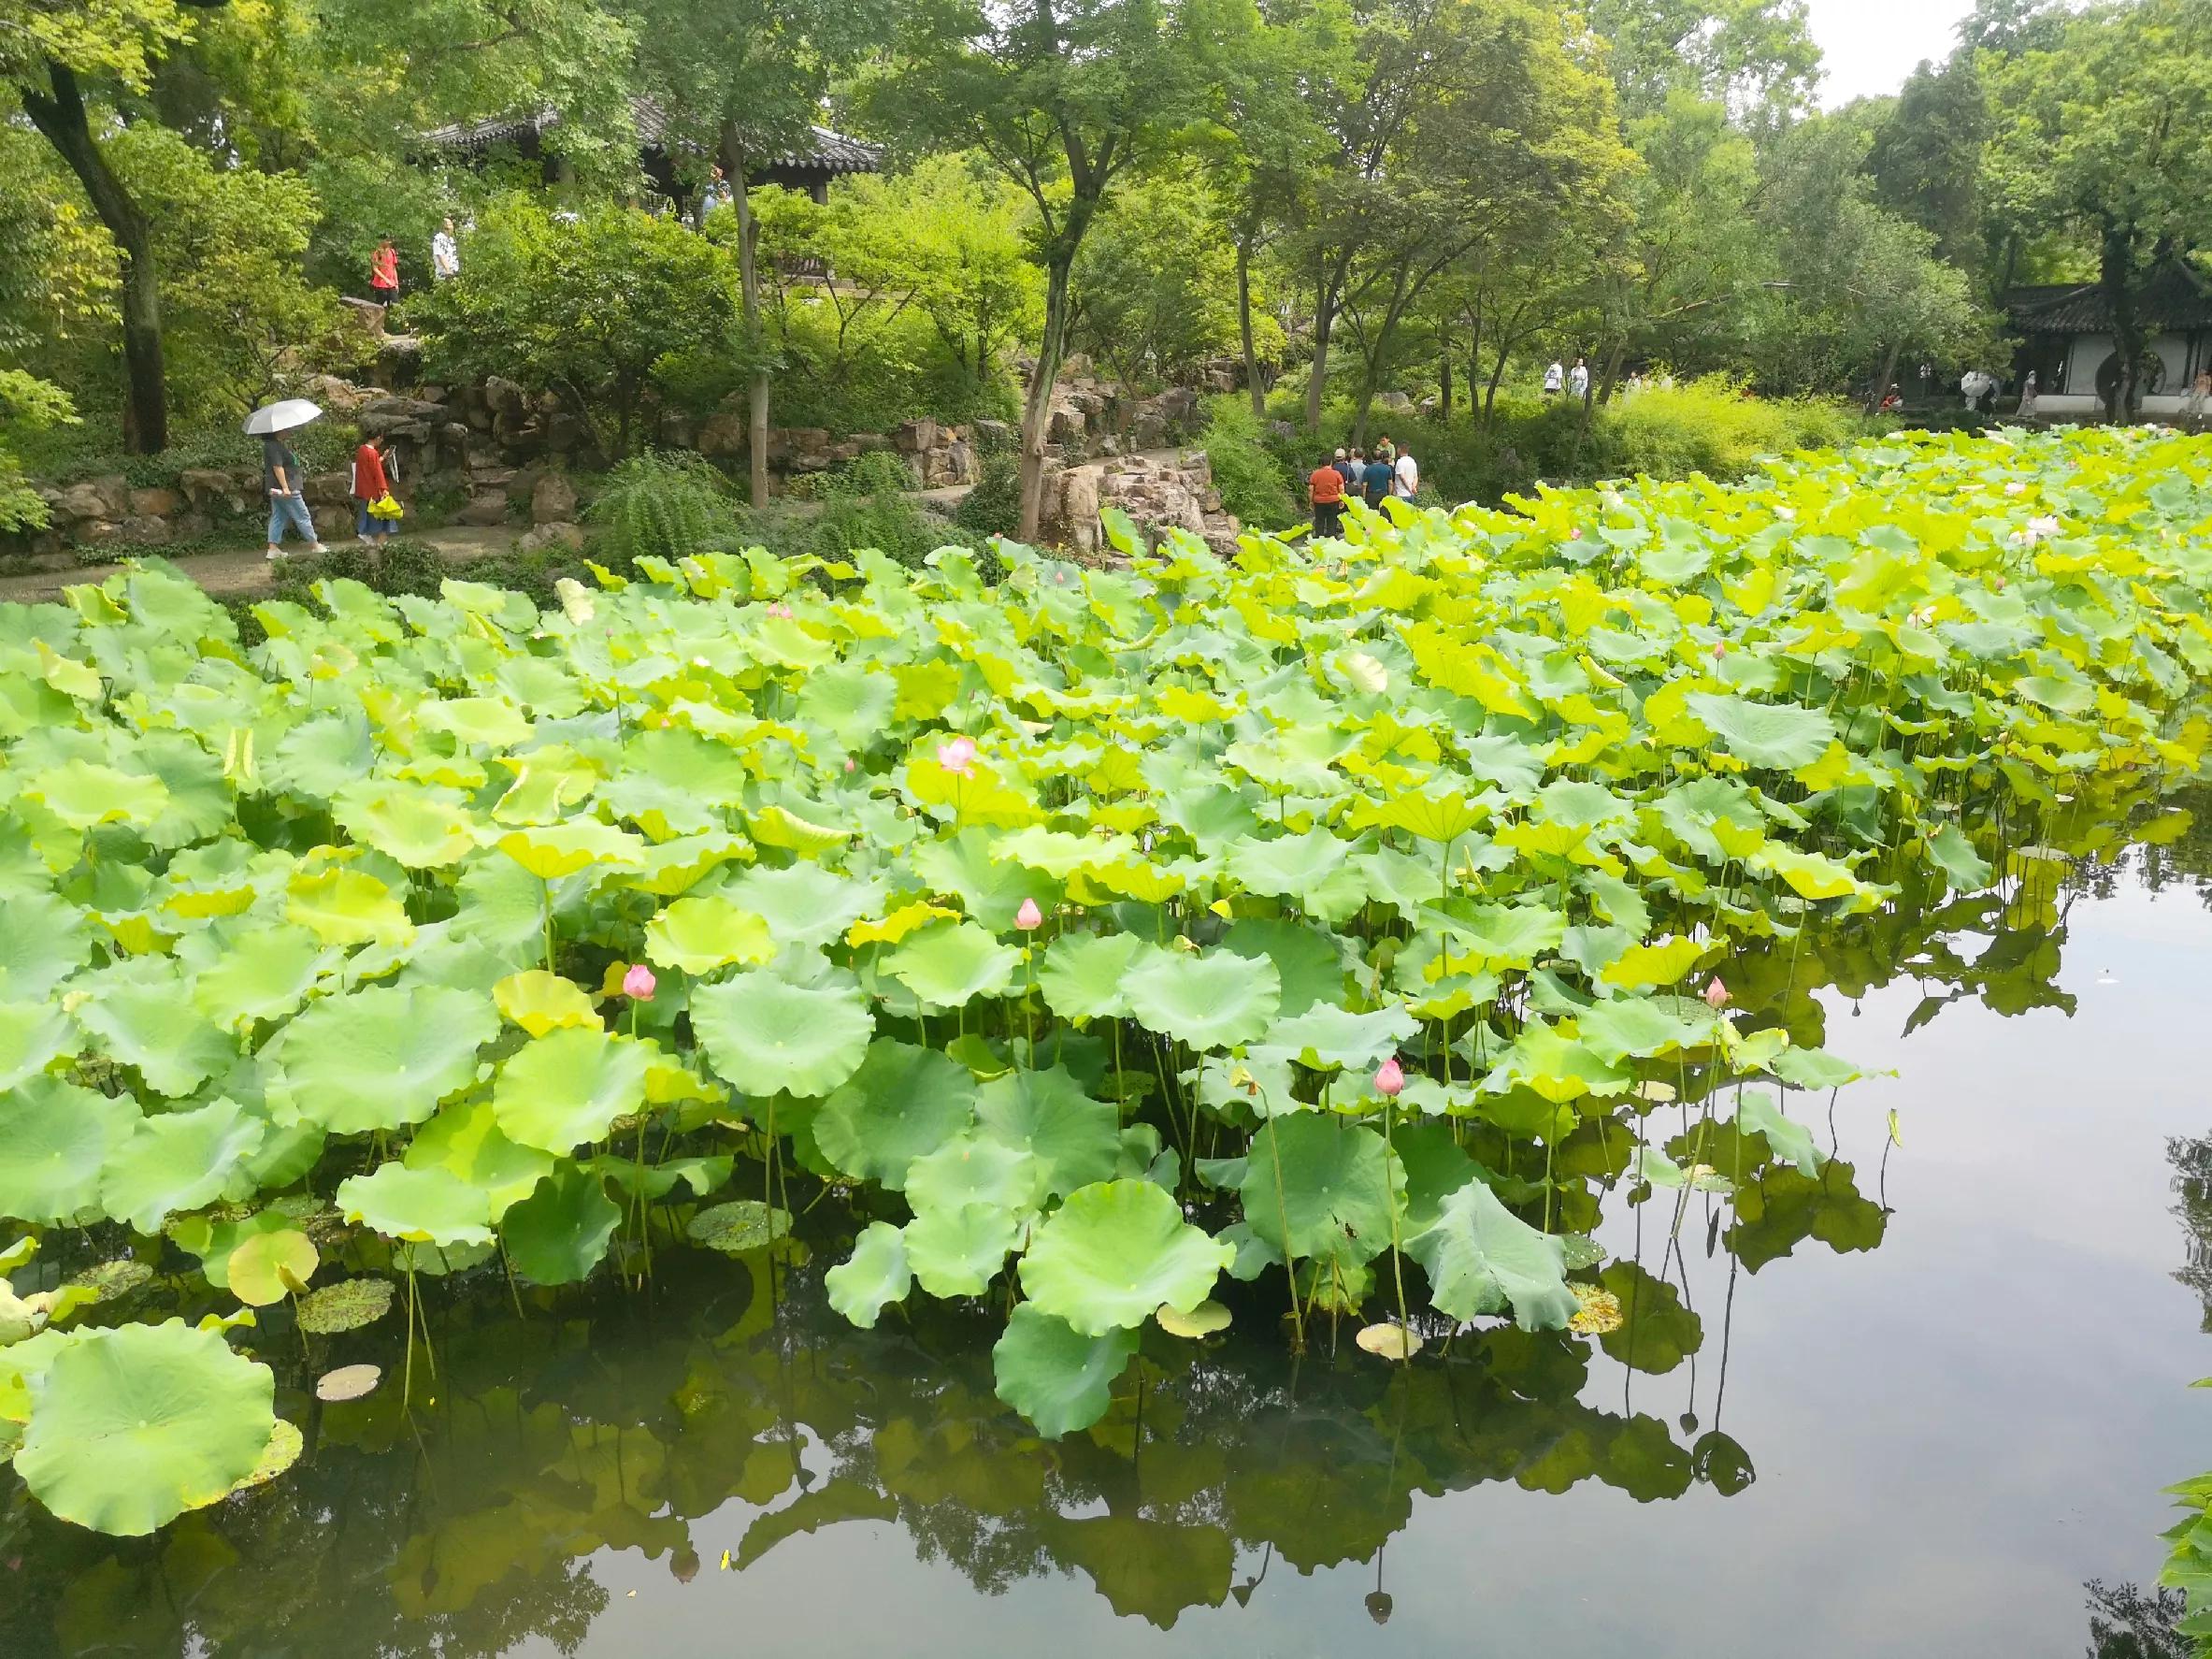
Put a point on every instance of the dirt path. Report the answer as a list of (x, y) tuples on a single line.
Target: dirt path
[(246, 571)]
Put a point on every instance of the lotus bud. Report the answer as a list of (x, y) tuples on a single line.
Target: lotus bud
[(1029, 917), (1719, 649), (957, 757), (2016, 488), (848, 763), (1575, 534), (1390, 1078), (1787, 514), (1715, 995), (638, 984)]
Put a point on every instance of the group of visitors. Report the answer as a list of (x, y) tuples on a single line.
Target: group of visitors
[(1359, 475), (383, 265), (376, 514), (1575, 382)]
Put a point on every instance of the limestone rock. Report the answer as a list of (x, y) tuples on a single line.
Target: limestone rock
[(553, 501), (488, 508), (562, 535)]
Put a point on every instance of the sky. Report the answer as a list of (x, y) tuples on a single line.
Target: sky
[(1870, 46)]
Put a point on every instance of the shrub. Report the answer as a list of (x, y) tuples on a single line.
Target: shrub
[(666, 506), (1254, 482), (994, 506)]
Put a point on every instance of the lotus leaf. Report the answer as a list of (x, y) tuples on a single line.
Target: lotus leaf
[(539, 1001), (974, 1168), (1114, 1253), (1205, 1319), (875, 1276), (379, 1058), (1085, 976), (418, 1205), (765, 1033), (901, 1103), (1072, 1139), (178, 1160), (1481, 1258), (1324, 1187), (702, 934), (1219, 1001), (1055, 1375), (285, 1445), (269, 1266), (348, 1382), (569, 1087), (957, 1250), (55, 1139), (949, 964), (131, 1427), (559, 1234)]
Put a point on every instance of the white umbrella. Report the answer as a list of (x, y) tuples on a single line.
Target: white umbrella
[(282, 417)]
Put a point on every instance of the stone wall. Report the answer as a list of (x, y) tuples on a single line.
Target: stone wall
[(1159, 494)]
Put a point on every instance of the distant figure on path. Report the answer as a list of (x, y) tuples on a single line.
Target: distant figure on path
[(717, 195), (1374, 480), (288, 503), (445, 253), (1554, 378), (374, 472), (1578, 380), (2200, 393), (1893, 400), (2028, 397), (1407, 483), (384, 273), (1324, 489)]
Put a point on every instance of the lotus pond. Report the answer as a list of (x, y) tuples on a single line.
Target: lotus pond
[(1144, 1080)]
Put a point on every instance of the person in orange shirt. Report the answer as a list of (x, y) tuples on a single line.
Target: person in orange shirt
[(1325, 488), (384, 273)]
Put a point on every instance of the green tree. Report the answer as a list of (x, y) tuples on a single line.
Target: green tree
[(1064, 96), (587, 308), (2104, 129), (49, 51), (1926, 160), (1154, 289), (744, 80), (28, 405), (1756, 56)]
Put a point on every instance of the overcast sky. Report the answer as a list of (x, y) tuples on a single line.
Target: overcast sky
[(1870, 46)]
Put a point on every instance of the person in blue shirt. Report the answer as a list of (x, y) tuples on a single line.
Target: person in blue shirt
[(1374, 480)]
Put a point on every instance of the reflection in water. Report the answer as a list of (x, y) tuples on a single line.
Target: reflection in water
[(2126, 1622), (614, 1420)]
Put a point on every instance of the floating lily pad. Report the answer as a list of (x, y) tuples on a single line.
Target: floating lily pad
[(111, 1280), (1205, 1319), (743, 1224), (1389, 1341), (347, 1306), (348, 1382), (285, 1445)]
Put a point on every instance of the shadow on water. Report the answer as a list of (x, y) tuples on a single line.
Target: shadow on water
[(617, 1420)]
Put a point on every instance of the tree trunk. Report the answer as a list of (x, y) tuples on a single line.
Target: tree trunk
[(1324, 321), (1037, 406), (1881, 385), (61, 118), (2115, 269), (756, 411), (1611, 378), (1497, 379), (1259, 397), (1443, 375)]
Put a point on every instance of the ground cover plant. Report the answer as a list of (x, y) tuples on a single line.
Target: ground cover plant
[(1297, 934)]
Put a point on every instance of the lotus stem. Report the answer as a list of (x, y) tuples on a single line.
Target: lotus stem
[(1405, 1327), (1297, 1322)]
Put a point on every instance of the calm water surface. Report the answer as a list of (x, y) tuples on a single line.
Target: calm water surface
[(1946, 1437)]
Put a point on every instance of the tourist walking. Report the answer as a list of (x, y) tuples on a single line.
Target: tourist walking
[(375, 471), (1374, 480), (1554, 378), (2028, 397), (1579, 381), (1324, 489), (1407, 483), (445, 253), (2200, 393), (288, 501), (384, 273)]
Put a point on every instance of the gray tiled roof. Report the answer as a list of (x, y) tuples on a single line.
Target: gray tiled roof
[(2176, 300), (827, 151)]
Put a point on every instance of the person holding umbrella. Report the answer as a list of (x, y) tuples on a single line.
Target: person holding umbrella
[(280, 473)]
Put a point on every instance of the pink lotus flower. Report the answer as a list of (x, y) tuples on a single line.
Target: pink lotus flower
[(1029, 917), (638, 984), (1719, 649), (1715, 995), (957, 757), (1390, 1078), (848, 763), (1575, 534)]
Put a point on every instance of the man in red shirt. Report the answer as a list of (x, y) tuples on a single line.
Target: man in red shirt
[(1325, 488)]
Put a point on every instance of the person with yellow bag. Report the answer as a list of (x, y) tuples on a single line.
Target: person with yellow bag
[(376, 514)]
